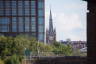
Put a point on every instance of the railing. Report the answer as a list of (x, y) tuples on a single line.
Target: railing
[(43, 54), (54, 60)]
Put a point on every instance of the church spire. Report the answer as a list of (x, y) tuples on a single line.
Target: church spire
[(51, 33), (50, 24)]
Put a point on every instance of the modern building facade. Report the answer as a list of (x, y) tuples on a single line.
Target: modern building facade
[(22, 17), (51, 32)]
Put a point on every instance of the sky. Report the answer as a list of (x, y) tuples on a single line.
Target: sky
[(69, 18)]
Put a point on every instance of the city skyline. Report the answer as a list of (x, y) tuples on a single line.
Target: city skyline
[(69, 18)]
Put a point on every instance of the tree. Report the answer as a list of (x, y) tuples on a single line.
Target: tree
[(5, 46), (61, 49), (14, 59), (1, 61)]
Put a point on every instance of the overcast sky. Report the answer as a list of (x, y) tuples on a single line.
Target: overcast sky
[(69, 18)]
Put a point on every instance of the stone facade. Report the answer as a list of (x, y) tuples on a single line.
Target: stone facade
[(51, 32)]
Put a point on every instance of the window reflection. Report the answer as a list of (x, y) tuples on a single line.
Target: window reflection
[(20, 11), (4, 28), (4, 20), (41, 28), (13, 4), (26, 3), (41, 36), (26, 24), (20, 8), (33, 4), (33, 12), (40, 4), (14, 24), (1, 12), (27, 11), (40, 20), (33, 28), (33, 24), (20, 3), (1, 8), (8, 12), (1, 4), (7, 4), (21, 24), (40, 12)]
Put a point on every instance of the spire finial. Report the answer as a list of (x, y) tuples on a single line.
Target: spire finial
[(50, 6)]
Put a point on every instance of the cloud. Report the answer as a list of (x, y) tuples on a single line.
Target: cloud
[(68, 22), (66, 25), (69, 18)]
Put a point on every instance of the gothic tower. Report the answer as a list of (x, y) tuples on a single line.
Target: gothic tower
[(51, 33)]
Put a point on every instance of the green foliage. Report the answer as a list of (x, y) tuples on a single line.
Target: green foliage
[(14, 59), (1, 61), (61, 49), (12, 48), (5, 46)]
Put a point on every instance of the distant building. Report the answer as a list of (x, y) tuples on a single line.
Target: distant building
[(75, 44), (51, 32), (63, 42), (78, 44), (22, 17)]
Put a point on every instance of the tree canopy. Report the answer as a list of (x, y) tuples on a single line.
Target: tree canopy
[(13, 48)]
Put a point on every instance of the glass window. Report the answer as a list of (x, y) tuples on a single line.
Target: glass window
[(13, 4), (14, 24), (0, 28), (7, 4), (41, 36), (33, 4), (4, 20), (14, 27), (20, 3), (33, 12), (40, 20), (33, 19), (26, 4), (26, 24), (20, 11), (40, 12), (26, 7), (1, 12), (33, 24), (41, 28), (8, 12), (4, 28), (20, 7), (26, 11), (13, 11), (21, 24), (14, 19), (40, 4), (33, 28), (1, 4)]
